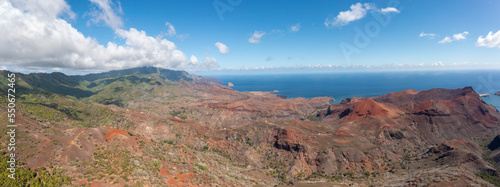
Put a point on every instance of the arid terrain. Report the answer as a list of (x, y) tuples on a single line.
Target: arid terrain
[(156, 127)]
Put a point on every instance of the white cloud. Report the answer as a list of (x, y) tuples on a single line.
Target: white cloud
[(460, 36), (193, 60), (257, 35), (295, 28), (445, 40), (193, 64), (210, 62), (106, 12), (142, 49), (429, 35), (223, 49), (459, 63), (171, 29), (172, 32), (456, 37), (437, 64), (39, 41), (45, 9), (357, 12), (182, 37), (491, 40), (389, 10), (329, 67)]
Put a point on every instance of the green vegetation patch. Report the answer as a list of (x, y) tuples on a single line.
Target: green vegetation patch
[(489, 177), (27, 177), (69, 111)]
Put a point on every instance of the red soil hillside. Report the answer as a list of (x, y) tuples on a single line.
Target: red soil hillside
[(370, 108)]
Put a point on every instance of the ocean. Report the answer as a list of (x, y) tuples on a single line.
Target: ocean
[(366, 84)]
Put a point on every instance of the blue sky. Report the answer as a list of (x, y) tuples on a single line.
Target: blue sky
[(110, 34)]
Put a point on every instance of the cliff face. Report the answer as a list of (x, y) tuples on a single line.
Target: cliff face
[(181, 132)]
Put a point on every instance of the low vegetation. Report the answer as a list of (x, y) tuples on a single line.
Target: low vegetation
[(27, 177)]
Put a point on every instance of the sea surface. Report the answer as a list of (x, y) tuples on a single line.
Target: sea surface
[(366, 84)]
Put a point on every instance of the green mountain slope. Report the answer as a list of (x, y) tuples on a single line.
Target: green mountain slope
[(83, 86), (171, 75)]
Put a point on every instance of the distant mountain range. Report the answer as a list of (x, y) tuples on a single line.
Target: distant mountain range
[(72, 85)]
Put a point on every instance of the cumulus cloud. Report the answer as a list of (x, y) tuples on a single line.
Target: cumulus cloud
[(193, 64), (429, 35), (171, 29), (142, 49), (491, 40), (357, 11), (210, 62), (389, 10), (34, 39), (223, 49), (455, 37), (193, 60), (106, 11), (257, 35), (460, 36), (445, 40), (45, 9), (295, 28)]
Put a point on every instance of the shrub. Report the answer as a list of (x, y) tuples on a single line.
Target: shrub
[(202, 167), (489, 177)]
